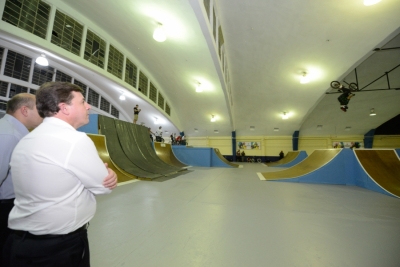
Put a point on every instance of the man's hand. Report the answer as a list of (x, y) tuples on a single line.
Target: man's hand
[(111, 179)]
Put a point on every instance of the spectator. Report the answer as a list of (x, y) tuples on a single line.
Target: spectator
[(56, 173), (151, 134), (243, 155), (238, 155), (159, 134), (281, 155), (21, 116), (136, 111)]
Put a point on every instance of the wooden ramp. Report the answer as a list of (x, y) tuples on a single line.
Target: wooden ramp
[(290, 156), (100, 143), (224, 160), (165, 153), (316, 160), (383, 167)]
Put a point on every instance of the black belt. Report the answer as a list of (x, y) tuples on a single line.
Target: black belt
[(7, 201), (26, 234)]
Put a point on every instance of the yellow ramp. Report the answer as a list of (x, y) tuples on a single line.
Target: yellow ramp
[(221, 157), (313, 162), (290, 156), (383, 166), (165, 153), (100, 143)]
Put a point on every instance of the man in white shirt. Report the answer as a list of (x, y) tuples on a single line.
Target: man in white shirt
[(56, 174), (21, 116), (158, 134)]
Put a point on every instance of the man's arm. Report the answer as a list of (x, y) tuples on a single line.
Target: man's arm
[(86, 164), (7, 145), (111, 179)]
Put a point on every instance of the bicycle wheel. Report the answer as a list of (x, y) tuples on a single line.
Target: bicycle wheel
[(353, 86), (335, 84), (259, 160)]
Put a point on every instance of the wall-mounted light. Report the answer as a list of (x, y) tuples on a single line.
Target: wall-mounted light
[(42, 60), (319, 127), (347, 128), (122, 97), (159, 33), (372, 112), (276, 129), (304, 78), (252, 128), (371, 2), (196, 130), (199, 89), (285, 116), (216, 131), (212, 118)]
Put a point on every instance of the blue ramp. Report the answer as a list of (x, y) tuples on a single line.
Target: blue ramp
[(300, 157)]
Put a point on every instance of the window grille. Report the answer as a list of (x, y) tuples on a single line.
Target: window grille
[(1, 54), (81, 85), (114, 112), (3, 105), (42, 74), (17, 89), (32, 91), (130, 73), (95, 49), (160, 101), (104, 105), (17, 66), (93, 98), (67, 33), (153, 93), (115, 62), (207, 8), (167, 109), (3, 88), (214, 25), (220, 40), (62, 77), (29, 15), (143, 83)]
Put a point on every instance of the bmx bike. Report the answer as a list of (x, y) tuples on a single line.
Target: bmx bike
[(352, 86)]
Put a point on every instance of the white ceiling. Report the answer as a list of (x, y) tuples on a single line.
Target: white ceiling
[(268, 45)]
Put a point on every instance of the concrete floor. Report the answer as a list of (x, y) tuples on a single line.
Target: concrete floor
[(227, 217)]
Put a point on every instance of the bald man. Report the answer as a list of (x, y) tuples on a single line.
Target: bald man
[(21, 116)]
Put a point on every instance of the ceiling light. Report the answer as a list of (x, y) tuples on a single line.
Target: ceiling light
[(372, 112), (347, 128), (159, 33), (319, 127), (199, 89), (166, 132), (122, 97), (276, 129), (304, 78), (216, 131), (285, 116), (252, 128), (371, 2), (42, 60), (212, 118), (196, 130)]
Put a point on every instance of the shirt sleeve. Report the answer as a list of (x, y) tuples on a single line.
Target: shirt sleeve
[(86, 164), (7, 145)]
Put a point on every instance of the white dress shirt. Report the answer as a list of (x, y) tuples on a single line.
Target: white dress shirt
[(56, 173), (11, 131)]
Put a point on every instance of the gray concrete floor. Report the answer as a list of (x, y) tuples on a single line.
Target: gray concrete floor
[(227, 217)]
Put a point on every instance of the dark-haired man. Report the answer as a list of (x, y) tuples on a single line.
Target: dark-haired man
[(56, 174), (21, 116)]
